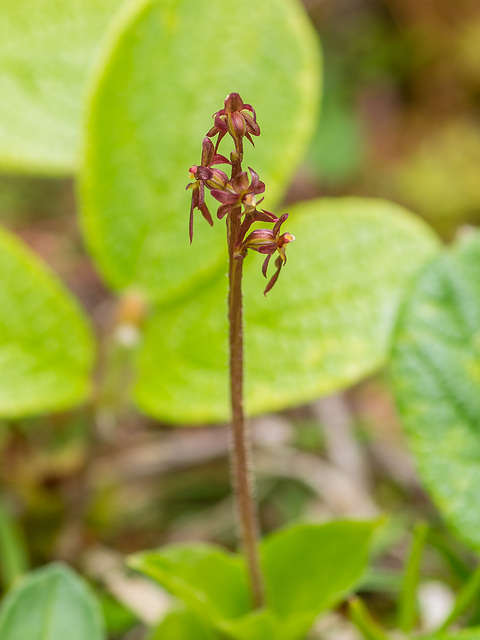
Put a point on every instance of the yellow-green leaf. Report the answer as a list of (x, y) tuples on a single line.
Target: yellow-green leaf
[(46, 347)]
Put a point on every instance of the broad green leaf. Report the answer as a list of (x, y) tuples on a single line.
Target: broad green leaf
[(169, 68), (208, 579), (51, 603), (183, 624), (46, 348), (436, 378), (307, 569), (46, 50), (325, 324), (310, 567)]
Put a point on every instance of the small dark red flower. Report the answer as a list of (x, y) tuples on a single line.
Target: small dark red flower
[(204, 175), (239, 192), (268, 241), (238, 119)]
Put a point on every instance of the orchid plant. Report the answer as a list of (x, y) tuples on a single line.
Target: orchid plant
[(237, 196)]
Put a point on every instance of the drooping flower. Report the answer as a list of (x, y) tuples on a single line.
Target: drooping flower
[(205, 176), (238, 119), (269, 241), (239, 192)]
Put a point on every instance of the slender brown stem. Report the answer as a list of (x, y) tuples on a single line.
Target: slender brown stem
[(241, 457)]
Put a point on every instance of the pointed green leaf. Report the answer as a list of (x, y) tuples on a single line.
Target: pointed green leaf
[(13, 552), (169, 68), (46, 348), (309, 568), (51, 603), (46, 50), (325, 325), (436, 377), (364, 622), (208, 579)]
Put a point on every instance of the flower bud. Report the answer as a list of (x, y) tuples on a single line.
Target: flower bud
[(218, 179)]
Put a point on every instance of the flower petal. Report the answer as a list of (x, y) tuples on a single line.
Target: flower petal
[(233, 102), (208, 151), (265, 264), (223, 210), (225, 196), (218, 159), (240, 183)]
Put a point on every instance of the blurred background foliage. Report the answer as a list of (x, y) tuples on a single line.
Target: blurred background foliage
[(400, 120)]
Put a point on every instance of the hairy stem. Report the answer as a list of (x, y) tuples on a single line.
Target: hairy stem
[(241, 455)]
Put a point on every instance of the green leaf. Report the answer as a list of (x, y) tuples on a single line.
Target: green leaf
[(364, 622), (436, 376), (467, 595), (325, 325), (167, 71), (13, 553), (183, 624), (46, 349), (262, 624), (407, 604), (464, 634), (46, 50), (307, 569), (208, 579), (310, 567), (51, 603)]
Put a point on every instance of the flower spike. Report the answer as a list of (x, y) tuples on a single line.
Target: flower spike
[(237, 195)]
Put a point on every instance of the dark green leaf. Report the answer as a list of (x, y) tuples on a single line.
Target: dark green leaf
[(51, 603)]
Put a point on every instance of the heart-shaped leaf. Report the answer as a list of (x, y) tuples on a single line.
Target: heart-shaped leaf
[(46, 50), (167, 71), (51, 603), (436, 377), (325, 325), (46, 349)]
